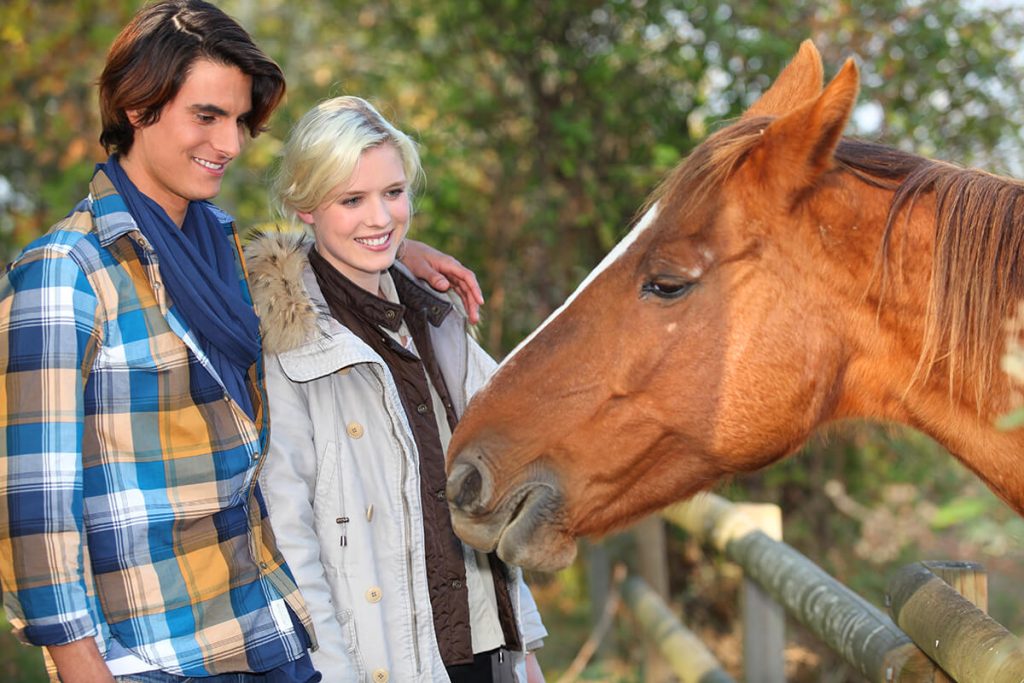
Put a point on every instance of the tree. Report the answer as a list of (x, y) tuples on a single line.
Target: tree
[(545, 125)]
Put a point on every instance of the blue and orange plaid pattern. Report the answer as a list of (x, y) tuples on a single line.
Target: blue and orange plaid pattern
[(129, 504)]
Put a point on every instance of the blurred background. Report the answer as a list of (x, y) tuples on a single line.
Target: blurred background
[(543, 126)]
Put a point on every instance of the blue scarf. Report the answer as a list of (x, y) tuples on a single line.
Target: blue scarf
[(198, 267)]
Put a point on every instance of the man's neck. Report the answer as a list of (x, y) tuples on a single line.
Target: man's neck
[(174, 206)]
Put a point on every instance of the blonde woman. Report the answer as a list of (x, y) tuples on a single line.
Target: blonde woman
[(367, 374)]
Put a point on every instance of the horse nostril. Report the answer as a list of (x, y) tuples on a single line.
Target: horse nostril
[(467, 483)]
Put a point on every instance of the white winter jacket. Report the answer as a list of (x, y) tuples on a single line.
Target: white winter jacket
[(342, 449)]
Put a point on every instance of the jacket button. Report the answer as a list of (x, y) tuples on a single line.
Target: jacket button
[(374, 594), (422, 409), (355, 430), (440, 494), (389, 314), (380, 676), (456, 584)]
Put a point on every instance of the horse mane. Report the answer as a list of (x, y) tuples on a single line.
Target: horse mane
[(978, 259)]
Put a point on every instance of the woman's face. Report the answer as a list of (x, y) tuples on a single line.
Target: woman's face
[(359, 230)]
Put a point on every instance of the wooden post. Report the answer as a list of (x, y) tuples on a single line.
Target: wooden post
[(598, 567), (969, 579), (764, 620), (652, 567)]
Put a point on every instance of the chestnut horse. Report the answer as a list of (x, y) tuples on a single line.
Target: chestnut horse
[(782, 277)]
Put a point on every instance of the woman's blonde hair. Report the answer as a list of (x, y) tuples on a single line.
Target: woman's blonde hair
[(323, 148)]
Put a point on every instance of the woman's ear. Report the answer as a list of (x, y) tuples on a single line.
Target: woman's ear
[(306, 217)]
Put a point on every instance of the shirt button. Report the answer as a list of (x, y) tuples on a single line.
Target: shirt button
[(422, 409), (374, 594), (227, 398), (456, 584), (355, 430), (380, 676), (263, 565)]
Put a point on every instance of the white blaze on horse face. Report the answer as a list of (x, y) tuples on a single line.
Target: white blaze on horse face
[(645, 222)]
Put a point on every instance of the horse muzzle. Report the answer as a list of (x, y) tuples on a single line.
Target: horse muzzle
[(524, 526)]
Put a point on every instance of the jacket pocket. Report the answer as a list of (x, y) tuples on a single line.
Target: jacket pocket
[(329, 501), (347, 621)]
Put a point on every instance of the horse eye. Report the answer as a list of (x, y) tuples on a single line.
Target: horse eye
[(666, 288)]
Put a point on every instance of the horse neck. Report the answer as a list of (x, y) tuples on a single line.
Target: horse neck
[(885, 378), (995, 455)]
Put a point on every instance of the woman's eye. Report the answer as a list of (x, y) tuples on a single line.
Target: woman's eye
[(396, 193), (666, 287)]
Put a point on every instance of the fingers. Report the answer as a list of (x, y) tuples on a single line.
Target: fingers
[(468, 289), (443, 272)]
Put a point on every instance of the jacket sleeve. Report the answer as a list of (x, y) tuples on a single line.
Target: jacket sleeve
[(534, 631), (48, 338), (288, 480), (479, 367)]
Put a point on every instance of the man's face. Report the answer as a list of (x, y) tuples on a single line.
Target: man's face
[(182, 157)]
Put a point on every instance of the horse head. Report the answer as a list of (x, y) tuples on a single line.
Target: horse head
[(740, 312)]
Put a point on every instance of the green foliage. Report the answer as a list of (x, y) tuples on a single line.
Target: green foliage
[(19, 663), (543, 127)]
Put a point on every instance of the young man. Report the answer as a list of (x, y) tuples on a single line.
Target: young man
[(134, 543)]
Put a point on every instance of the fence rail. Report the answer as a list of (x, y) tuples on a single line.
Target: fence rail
[(940, 636)]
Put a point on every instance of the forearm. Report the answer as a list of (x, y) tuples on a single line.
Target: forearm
[(80, 662)]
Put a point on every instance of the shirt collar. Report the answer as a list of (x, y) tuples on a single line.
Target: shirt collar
[(387, 312), (111, 216)]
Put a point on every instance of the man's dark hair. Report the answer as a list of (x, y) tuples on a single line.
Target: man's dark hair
[(153, 55)]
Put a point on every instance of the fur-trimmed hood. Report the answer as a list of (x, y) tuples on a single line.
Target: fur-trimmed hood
[(288, 301), (288, 315)]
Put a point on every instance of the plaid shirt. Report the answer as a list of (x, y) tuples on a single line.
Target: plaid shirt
[(129, 504)]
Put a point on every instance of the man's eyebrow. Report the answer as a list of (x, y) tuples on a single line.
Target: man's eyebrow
[(208, 109), (214, 110)]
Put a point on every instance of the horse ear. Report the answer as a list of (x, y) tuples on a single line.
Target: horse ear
[(800, 81), (797, 147)]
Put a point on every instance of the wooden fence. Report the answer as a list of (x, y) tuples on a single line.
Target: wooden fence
[(938, 630)]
